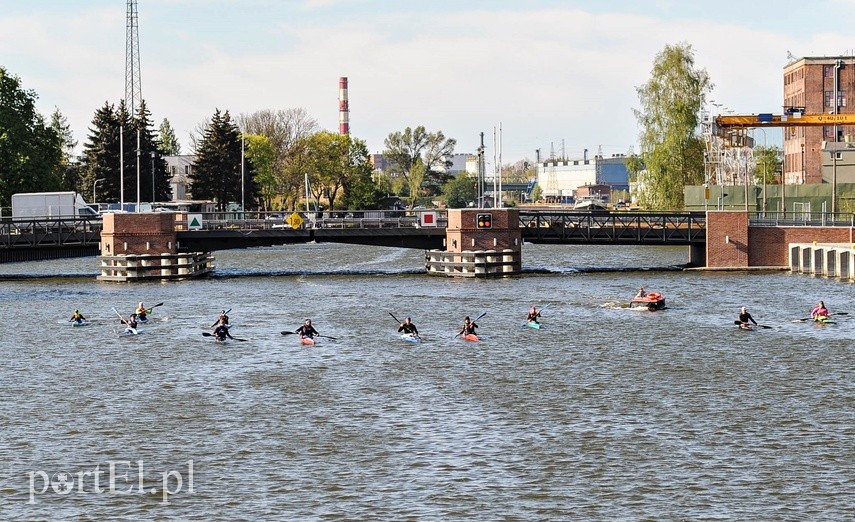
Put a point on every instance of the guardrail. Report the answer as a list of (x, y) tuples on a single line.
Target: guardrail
[(315, 220), (678, 228), (801, 219)]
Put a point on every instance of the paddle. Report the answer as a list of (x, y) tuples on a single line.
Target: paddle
[(209, 334), (739, 323), (542, 308), (224, 313), (479, 317), (399, 322), (326, 337), (134, 330), (287, 333)]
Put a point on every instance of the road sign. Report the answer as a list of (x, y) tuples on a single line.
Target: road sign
[(194, 221), (295, 220)]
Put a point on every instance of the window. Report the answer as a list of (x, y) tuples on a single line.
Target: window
[(828, 71), (828, 97)]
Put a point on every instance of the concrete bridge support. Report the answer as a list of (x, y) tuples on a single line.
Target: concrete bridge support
[(479, 243), (144, 246)]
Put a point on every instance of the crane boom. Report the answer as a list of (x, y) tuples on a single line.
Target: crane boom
[(748, 121)]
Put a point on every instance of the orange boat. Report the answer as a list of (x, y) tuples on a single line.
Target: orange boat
[(472, 337), (307, 341), (650, 300)]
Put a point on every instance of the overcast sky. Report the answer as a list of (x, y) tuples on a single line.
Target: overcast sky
[(551, 72)]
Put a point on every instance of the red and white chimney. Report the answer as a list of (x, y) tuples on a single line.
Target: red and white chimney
[(343, 109)]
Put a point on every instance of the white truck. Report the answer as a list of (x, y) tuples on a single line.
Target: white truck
[(50, 205)]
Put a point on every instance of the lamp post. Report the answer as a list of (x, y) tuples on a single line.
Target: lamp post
[(94, 183), (138, 170), (242, 191), (765, 152), (153, 197)]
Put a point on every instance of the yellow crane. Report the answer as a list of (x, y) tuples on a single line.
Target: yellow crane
[(750, 121)]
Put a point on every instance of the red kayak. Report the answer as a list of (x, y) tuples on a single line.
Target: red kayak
[(471, 337), (307, 341)]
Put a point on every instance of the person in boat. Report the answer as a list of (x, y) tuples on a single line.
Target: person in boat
[(224, 319), (409, 328), (469, 327), (819, 311), (641, 292), (533, 314), (131, 323), (141, 312), (77, 317), (307, 330), (221, 332), (744, 317)]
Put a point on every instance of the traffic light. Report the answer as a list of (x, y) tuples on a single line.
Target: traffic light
[(485, 221)]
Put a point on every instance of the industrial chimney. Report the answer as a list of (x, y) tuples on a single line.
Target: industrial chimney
[(343, 109)]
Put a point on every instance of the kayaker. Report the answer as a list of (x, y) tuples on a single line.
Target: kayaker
[(819, 311), (131, 323), (222, 331), (468, 327), (408, 327), (77, 317), (307, 330), (533, 314), (224, 319), (744, 317), (141, 312), (641, 292)]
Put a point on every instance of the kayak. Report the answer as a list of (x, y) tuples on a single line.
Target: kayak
[(410, 338), (823, 319), (746, 327), (129, 331), (533, 324), (308, 341), (472, 337), (79, 323)]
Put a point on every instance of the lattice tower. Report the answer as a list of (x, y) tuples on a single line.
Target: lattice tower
[(133, 85)]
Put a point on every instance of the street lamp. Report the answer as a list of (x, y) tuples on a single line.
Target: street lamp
[(152, 178), (94, 183), (765, 152)]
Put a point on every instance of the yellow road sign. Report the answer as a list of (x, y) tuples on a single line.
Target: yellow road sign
[(295, 221)]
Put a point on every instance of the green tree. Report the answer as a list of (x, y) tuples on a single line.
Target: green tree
[(284, 129), (69, 169), (167, 142), (114, 133), (360, 191), (671, 152), (30, 150), (405, 149), (101, 155), (768, 162), (259, 151), (459, 191), (216, 173)]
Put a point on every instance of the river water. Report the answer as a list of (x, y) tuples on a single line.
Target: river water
[(606, 413)]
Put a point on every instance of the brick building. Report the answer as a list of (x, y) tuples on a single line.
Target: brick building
[(815, 85)]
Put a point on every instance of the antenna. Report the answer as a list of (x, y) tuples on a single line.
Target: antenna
[(133, 85)]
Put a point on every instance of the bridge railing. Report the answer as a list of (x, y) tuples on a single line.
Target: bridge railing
[(801, 219), (631, 227), (315, 220), (32, 232)]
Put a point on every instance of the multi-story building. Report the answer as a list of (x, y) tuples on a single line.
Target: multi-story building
[(560, 179), (815, 85)]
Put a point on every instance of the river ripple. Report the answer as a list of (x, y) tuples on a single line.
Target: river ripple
[(606, 413)]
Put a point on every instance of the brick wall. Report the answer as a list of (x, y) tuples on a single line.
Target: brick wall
[(731, 243), (727, 239), (143, 233), (769, 245), (462, 230)]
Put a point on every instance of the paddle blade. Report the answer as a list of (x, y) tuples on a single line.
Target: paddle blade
[(207, 334), (287, 333), (480, 316)]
